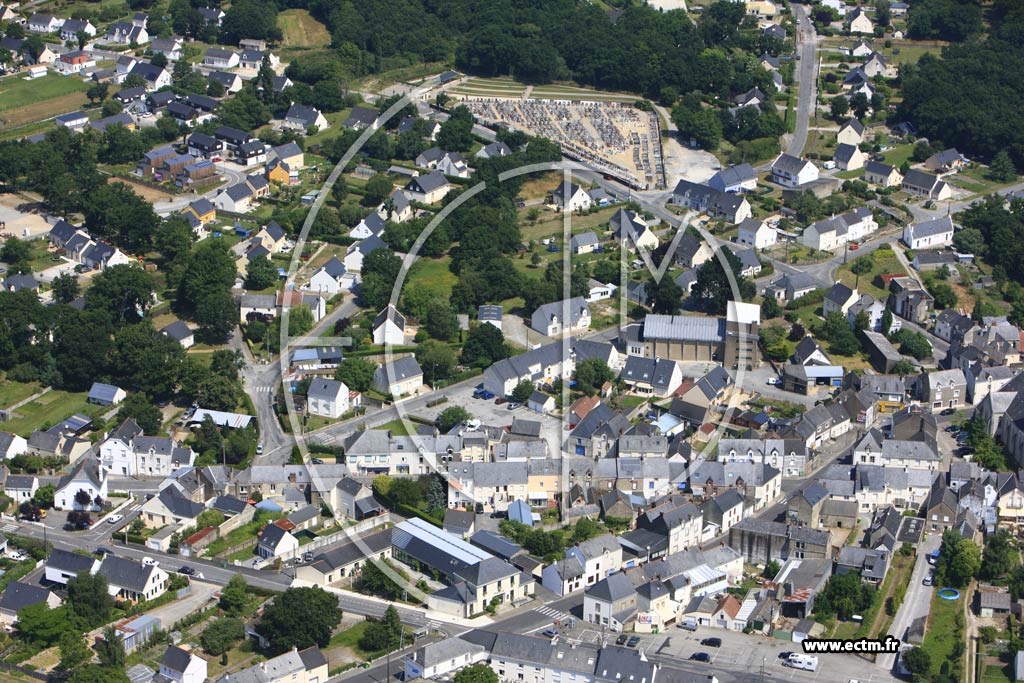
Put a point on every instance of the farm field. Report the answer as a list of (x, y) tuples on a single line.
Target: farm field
[(301, 30), (16, 92)]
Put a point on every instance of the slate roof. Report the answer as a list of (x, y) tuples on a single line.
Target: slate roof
[(18, 596), (611, 589), (125, 573)]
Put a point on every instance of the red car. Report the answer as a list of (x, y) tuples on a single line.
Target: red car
[(854, 247)]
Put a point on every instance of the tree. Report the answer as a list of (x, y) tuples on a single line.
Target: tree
[(89, 599), (883, 12), (436, 359), (456, 134), (73, 652), (235, 596), (959, 560), (918, 662), (436, 496), (15, 253), (713, 290), (43, 497), (843, 596), (356, 373), (903, 367), (860, 104), (1002, 168), (913, 344), (770, 308), (42, 626), (452, 416), (591, 374), (944, 295), (441, 322), (841, 338), (666, 296), (222, 634), (95, 673), (377, 189), (997, 558), (478, 673), (405, 492), (210, 268), (300, 618), (217, 314), (382, 485), (773, 341), (260, 273), (145, 358), (139, 407), (110, 649), (122, 291), (886, 323), (523, 391), (374, 581), (485, 346), (64, 288), (771, 570), (840, 107)]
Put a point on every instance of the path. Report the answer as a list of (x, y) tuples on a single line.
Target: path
[(29, 399)]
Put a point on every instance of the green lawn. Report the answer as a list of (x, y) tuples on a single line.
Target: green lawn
[(48, 410), (942, 630), (882, 261), (17, 92), (898, 154), (301, 30), (12, 392), (398, 428), (434, 275), (350, 638)]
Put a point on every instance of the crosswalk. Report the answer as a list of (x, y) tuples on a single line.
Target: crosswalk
[(555, 614), (323, 439), (265, 389), (9, 528)]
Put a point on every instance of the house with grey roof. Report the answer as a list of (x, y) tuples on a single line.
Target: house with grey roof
[(401, 377), (930, 234), (790, 171), (611, 602), (872, 565), (428, 188), (327, 398), (737, 178), (926, 185), (132, 581), (560, 317), (170, 506), (18, 595), (791, 287)]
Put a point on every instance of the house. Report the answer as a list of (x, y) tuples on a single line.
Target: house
[(64, 565), (611, 603), (252, 58), (493, 150), (851, 133), (881, 352), (235, 199), (491, 315), (596, 560), (290, 154), (212, 15), (218, 58), (758, 483), (353, 500), (909, 300), (44, 23), (182, 666), (937, 232), (732, 207), (17, 596), (203, 145), (357, 252), (752, 98), (371, 224), (301, 118), (658, 377), (692, 252), (76, 120), (276, 541), (569, 196), (389, 327), (154, 76), (761, 541), (362, 117), (168, 47), (791, 287), (459, 523), (872, 565), (73, 62), (396, 208), (327, 398), (722, 512), (946, 161), (584, 243), (857, 21), (19, 282), (105, 394), (831, 233), (738, 178), (327, 280), (943, 389), (540, 402), (756, 233), (550, 319), (994, 603), (922, 184), (131, 581), (874, 310), (839, 298), (170, 506), (878, 65), (790, 171), (626, 224), (881, 174), (127, 452), (848, 157), (127, 33), (429, 188), (402, 377)]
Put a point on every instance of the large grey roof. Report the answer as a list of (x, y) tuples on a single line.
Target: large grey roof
[(125, 573), (684, 328), (611, 589), (18, 596)]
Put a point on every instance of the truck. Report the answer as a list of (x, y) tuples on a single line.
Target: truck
[(799, 661)]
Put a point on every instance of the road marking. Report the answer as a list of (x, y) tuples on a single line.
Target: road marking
[(553, 613), (9, 527)]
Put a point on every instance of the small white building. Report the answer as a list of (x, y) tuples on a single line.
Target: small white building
[(181, 666), (756, 233), (932, 234), (791, 171), (327, 398), (570, 197), (389, 327)]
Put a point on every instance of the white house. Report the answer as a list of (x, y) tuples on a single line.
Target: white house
[(11, 445), (236, 199), (20, 488), (82, 487), (858, 22), (389, 327), (372, 224), (275, 541), (402, 377), (357, 252), (44, 23), (739, 178), (127, 452), (133, 581), (756, 233), (932, 234), (300, 118), (64, 565), (72, 27), (428, 189), (181, 666), (570, 197), (327, 398), (851, 133), (791, 171), (327, 280), (550, 319), (218, 58)]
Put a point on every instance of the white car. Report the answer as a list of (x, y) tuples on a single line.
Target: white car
[(150, 562), (774, 381), (17, 556), (114, 519)]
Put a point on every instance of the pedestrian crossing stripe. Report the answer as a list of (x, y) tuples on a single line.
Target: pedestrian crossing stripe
[(9, 527)]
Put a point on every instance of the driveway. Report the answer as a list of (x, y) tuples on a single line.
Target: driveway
[(918, 601)]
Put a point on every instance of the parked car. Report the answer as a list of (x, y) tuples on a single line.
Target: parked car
[(114, 519), (259, 448), (103, 551), (514, 406), (316, 461), (948, 411), (700, 657), (150, 562), (550, 632), (688, 624), (621, 640), (501, 400), (773, 381), (487, 395), (928, 580), (854, 246), (633, 641), (187, 571), (711, 642)]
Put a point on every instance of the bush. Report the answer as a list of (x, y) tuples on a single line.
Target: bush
[(221, 635)]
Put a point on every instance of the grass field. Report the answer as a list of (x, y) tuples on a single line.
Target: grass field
[(397, 428), (12, 392), (897, 155), (301, 30), (882, 261), (433, 274), (48, 410), (942, 631), (549, 223), (16, 92)]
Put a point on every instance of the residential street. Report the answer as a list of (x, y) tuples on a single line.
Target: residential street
[(804, 75), (918, 601)]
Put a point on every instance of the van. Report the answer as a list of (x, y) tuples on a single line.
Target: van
[(799, 661), (688, 624)]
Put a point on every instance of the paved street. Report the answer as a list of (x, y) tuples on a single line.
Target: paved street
[(918, 601), (804, 75)]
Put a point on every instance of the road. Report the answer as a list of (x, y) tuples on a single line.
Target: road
[(807, 51)]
